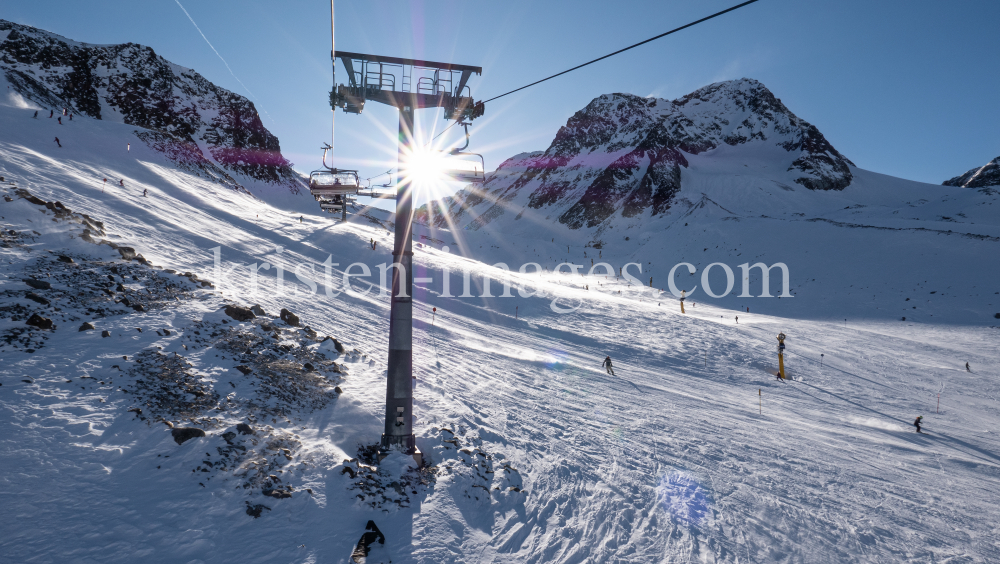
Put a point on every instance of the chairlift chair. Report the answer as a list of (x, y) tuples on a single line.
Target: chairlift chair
[(464, 167), (332, 187), (471, 169)]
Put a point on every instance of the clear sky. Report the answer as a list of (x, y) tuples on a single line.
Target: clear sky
[(902, 87)]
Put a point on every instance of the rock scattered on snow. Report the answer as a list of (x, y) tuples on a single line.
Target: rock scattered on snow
[(258, 311), (239, 313), (256, 509), (182, 434), (105, 333), (38, 284), (38, 321), (88, 327), (244, 429), (289, 317), (36, 298)]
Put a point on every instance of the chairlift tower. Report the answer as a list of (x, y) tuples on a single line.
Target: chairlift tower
[(407, 85)]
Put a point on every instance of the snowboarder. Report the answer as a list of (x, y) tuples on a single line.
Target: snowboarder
[(917, 423), (607, 365), (36, 114), (121, 182), (58, 143), (967, 369)]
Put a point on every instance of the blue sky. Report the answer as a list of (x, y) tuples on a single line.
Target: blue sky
[(906, 88)]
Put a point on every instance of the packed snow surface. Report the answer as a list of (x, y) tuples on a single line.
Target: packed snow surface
[(691, 451)]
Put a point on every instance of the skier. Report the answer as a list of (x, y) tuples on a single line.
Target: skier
[(121, 182), (607, 365), (58, 143), (300, 219), (748, 310), (128, 147), (145, 192), (36, 114), (71, 117), (967, 369), (917, 423), (60, 120), (51, 113), (737, 320), (64, 111)]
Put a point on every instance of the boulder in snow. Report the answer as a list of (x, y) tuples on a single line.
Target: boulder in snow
[(105, 333), (87, 326), (182, 434), (239, 313), (244, 429), (255, 510), (38, 284), (38, 321), (336, 344), (277, 493), (289, 317), (258, 311)]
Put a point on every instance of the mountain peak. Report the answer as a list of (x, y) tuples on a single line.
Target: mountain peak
[(623, 155), (129, 83), (986, 175)]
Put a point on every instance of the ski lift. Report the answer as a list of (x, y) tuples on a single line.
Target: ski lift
[(332, 187), (389, 194), (465, 167)]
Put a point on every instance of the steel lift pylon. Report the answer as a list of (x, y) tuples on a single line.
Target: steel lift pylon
[(407, 85)]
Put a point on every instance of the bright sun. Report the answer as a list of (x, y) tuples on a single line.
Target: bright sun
[(426, 168)]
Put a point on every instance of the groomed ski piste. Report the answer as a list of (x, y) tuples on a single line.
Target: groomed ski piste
[(692, 451)]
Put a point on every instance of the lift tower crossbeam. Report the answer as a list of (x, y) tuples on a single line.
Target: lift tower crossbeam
[(390, 81)]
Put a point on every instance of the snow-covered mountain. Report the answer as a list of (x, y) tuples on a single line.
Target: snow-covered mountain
[(146, 412), (979, 177), (200, 126), (623, 155)]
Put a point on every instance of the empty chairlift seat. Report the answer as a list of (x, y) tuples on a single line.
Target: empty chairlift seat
[(466, 167)]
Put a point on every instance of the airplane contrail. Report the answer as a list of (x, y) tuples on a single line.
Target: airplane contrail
[(213, 49)]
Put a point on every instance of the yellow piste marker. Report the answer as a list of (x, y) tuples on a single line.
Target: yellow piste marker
[(781, 355)]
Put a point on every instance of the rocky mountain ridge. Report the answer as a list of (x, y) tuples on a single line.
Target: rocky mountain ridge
[(623, 155), (211, 128), (979, 177)]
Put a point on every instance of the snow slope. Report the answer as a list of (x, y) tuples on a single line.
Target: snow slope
[(748, 182), (666, 461)]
